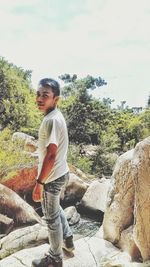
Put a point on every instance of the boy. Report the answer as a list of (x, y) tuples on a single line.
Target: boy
[(53, 172)]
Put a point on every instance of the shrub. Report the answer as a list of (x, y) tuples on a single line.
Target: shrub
[(12, 156), (81, 162)]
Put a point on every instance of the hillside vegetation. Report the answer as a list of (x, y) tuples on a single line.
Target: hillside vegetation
[(90, 121)]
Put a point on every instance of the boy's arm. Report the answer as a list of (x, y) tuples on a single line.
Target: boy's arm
[(47, 166), (48, 163)]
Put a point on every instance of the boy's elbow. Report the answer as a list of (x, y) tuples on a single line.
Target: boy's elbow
[(51, 152), (52, 157)]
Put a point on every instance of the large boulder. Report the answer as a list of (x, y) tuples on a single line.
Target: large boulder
[(74, 190), (30, 144), (12, 205), (120, 203), (21, 136), (127, 243), (23, 181), (96, 195), (77, 172), (126, 220), (24, 237), (141, 177)]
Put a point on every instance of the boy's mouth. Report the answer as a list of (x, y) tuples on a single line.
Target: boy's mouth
[(40, 105)]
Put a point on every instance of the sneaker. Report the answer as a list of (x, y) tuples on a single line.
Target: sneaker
[(47, 261), (68, 244)]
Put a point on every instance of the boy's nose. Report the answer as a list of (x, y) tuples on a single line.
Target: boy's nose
[(39, 98)]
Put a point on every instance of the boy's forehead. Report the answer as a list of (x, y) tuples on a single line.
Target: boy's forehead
[(44, 89)]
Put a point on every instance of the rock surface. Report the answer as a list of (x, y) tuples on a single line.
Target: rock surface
[(141, 178), (120, 205), (96, 195), (89, 252), (72, 215), (23, 181), (6, 224), (12, 205), (127, 217), (74, 190), (23, 238)]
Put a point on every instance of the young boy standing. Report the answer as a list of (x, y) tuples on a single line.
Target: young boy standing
[(53, 173)]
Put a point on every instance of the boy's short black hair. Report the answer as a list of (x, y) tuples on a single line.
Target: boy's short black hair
[(53, 84)]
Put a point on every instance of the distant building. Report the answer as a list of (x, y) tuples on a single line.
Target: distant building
[(137, 110)]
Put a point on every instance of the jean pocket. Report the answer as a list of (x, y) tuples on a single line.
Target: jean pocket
[(56, 185)]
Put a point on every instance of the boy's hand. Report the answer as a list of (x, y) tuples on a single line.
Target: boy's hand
[(37, 193)]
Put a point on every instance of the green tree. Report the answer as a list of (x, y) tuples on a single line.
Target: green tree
[(83, 113), (128, 128), (148, 102), (16, 97), (145, 122)]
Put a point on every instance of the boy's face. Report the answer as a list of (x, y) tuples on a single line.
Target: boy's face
[(45, 99)]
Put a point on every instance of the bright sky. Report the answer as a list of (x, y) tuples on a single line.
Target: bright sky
[(107, 38)]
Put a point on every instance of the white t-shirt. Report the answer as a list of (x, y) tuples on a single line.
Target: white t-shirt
[(53, 130)]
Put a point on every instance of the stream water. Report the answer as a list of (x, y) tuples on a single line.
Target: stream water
[(85, 227), (89, 224)]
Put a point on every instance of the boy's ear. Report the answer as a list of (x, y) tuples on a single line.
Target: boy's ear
[(56, 99)]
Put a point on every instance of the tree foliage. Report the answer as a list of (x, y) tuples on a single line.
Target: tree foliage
[(84, 114), (90, 121), (16, 97)]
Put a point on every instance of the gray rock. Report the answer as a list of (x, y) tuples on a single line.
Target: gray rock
[(89, 252), (96, 195), (120, 202), (141, 178), (6, 224), (12, 205), (23, 238), (72, 215), (74, 190)]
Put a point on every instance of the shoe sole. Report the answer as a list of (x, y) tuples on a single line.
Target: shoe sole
[(68, 249), (67, 254)]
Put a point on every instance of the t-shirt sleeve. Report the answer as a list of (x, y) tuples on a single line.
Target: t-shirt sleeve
[(52, 128)]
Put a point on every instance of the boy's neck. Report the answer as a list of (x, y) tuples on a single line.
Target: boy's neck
[(49, 110)]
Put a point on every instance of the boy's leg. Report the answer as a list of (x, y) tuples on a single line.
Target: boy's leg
[(65, 225), (51, 210), (55, 220), (68, 244)]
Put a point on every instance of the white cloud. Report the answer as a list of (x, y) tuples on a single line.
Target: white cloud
[(108, 38)]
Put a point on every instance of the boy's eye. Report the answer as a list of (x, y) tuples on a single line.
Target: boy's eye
[(42, 95)]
